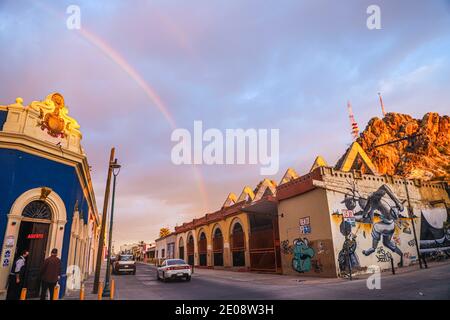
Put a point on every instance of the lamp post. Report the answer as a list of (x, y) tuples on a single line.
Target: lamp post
[(101, 237), (115, 167), (411, 216)]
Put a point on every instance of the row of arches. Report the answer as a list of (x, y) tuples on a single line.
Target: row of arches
[(236, 244)]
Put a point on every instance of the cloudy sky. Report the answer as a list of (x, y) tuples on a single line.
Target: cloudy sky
[(133, 73)]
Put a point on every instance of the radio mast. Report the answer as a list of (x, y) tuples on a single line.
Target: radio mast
[(382, 105), (353, 124)]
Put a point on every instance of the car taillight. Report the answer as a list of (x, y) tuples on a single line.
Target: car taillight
[(178, 268)]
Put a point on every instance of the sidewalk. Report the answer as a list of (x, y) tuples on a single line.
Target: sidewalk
[(88, 287)]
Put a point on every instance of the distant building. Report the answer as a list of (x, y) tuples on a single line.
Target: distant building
[(139, 250), (165, 247), (127, 248), (150, 252), (47, 196), (328, 222)]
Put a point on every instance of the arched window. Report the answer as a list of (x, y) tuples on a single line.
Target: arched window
[(217, 233), (37, 210)]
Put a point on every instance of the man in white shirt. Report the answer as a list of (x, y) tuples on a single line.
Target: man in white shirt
[(16, 277)]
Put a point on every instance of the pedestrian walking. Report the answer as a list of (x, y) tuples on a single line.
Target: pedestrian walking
[(16, 277), (50, 274)]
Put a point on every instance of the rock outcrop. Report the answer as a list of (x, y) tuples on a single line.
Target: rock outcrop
[(426, 155)]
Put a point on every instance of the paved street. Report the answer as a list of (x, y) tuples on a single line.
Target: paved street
[(408, 283)]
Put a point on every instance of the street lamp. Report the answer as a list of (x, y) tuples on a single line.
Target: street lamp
[(115, 167), (411, 216)]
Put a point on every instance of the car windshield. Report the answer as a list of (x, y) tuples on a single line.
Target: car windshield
[(126, 258), (176, 261)]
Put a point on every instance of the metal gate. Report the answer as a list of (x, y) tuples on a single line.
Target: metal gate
[(238, 249), (265, 250), (202, 251), (190, 251), (218, 251)]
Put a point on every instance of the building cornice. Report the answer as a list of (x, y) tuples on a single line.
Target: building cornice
[(44, 149)]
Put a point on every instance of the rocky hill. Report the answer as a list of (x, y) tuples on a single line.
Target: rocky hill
[(425, 156)]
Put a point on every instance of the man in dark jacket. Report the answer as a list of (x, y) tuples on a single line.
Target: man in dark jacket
[(16, 277), (50, 273)]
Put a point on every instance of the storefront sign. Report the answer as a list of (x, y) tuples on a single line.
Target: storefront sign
[(9, 242), (35, 236), (349, 216), (305, 225), (5, 262), (6, 257)]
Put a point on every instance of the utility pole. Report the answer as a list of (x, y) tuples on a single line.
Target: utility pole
[(411, 216), (107, 289), (410, 212), (101, 240)]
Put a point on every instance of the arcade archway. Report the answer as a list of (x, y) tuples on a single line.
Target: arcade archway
[(238, 245), (202, 249), (217, 248), (190, 250), (181, 249)]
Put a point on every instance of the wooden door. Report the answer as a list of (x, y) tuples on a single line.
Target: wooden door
[(37, 248)]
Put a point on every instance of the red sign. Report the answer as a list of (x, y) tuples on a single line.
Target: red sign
[(35, 236)]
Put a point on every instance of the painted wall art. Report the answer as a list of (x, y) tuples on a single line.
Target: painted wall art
[(306, 256), (435, 232), (303, 254), (370, 229)]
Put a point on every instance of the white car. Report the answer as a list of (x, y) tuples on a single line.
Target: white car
[(174, 269), (124, 264)]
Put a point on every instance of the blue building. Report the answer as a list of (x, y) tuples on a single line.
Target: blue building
[(47, 198)]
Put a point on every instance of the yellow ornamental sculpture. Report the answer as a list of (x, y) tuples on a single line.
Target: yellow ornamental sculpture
[(164, 232), (54, 116)]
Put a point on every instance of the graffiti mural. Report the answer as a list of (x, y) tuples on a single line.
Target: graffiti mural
[(285, 247), (371, 226), (317, 265), (382, 209), (348, 259), (302, 254), (383, 255), (435, 232)]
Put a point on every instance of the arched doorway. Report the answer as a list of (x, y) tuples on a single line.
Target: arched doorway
[(190, 250), (29, 215), (218, 248), (181, 249), (33, 236), (238, 245), (202, 249)]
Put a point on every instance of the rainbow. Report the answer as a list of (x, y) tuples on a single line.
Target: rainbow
[(125, 66), (150, 92)]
